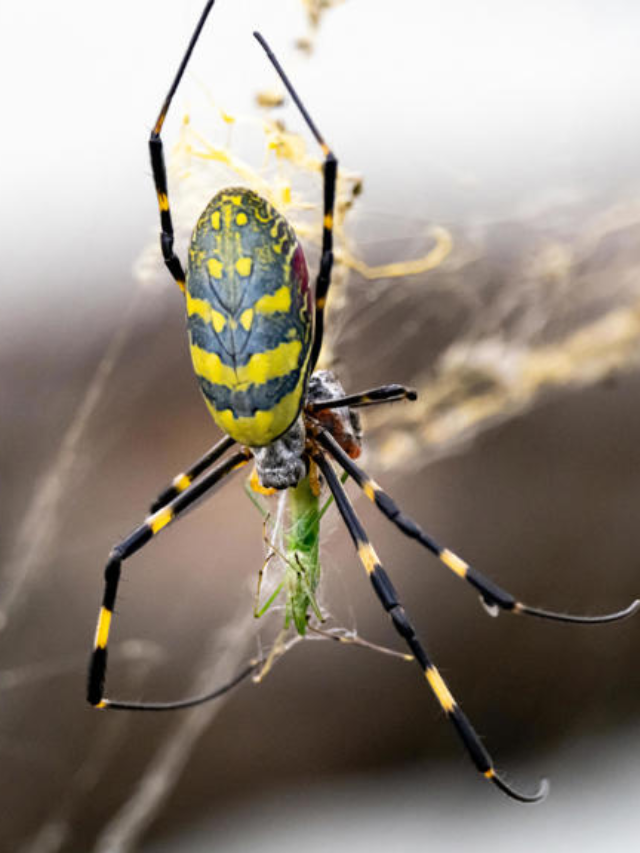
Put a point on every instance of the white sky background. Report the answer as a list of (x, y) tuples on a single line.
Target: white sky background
[(466, 107)]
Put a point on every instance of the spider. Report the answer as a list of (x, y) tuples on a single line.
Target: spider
[(255, 332)]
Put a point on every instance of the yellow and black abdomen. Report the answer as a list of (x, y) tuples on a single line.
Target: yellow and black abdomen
[(249, 316)]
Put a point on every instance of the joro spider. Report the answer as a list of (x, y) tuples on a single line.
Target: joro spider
[(255, 333)]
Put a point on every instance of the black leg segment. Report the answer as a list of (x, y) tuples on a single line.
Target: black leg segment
[(373, 397)]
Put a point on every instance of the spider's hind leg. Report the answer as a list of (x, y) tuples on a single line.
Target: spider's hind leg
[(388, 597), (492, 595)]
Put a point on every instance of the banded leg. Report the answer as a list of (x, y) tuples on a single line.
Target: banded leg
[(121, 552), (184, 480), (373, 397), (389, 599), (158, 167), (330, 173), (491, 594)]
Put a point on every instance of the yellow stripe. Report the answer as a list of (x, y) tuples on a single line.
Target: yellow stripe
[(270, 303), (163, 201), (328, 222), (454, 563), (181, 482), (215, 220), (160, 519), (204, 310), (264, 426), (261, 367), (256, 431), (441, 690), (102, 631), (368, 557), (490, 773)]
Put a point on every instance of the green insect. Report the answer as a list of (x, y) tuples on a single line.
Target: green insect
[(255, 332)]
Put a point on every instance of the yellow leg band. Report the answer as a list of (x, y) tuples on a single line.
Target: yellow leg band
[(454, 563), (102, 631), (368, 557), (160, 519), (181, 483), (441, 690)]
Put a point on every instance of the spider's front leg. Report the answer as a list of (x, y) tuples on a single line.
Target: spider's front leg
[(156, 151), (330, 177)]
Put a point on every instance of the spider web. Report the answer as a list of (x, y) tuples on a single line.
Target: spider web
[(502, 349), (510, 321), (565, 325)]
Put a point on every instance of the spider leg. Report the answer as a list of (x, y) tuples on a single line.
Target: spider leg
[(183, 481), (389, 599), (383, 394), (249, 669), (158, 167), (491, 594), (143, 534), (330, 173)]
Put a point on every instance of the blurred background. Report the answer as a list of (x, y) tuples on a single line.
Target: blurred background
[(497, 146)]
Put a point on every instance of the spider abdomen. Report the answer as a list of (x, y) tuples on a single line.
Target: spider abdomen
[(249, 316)]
